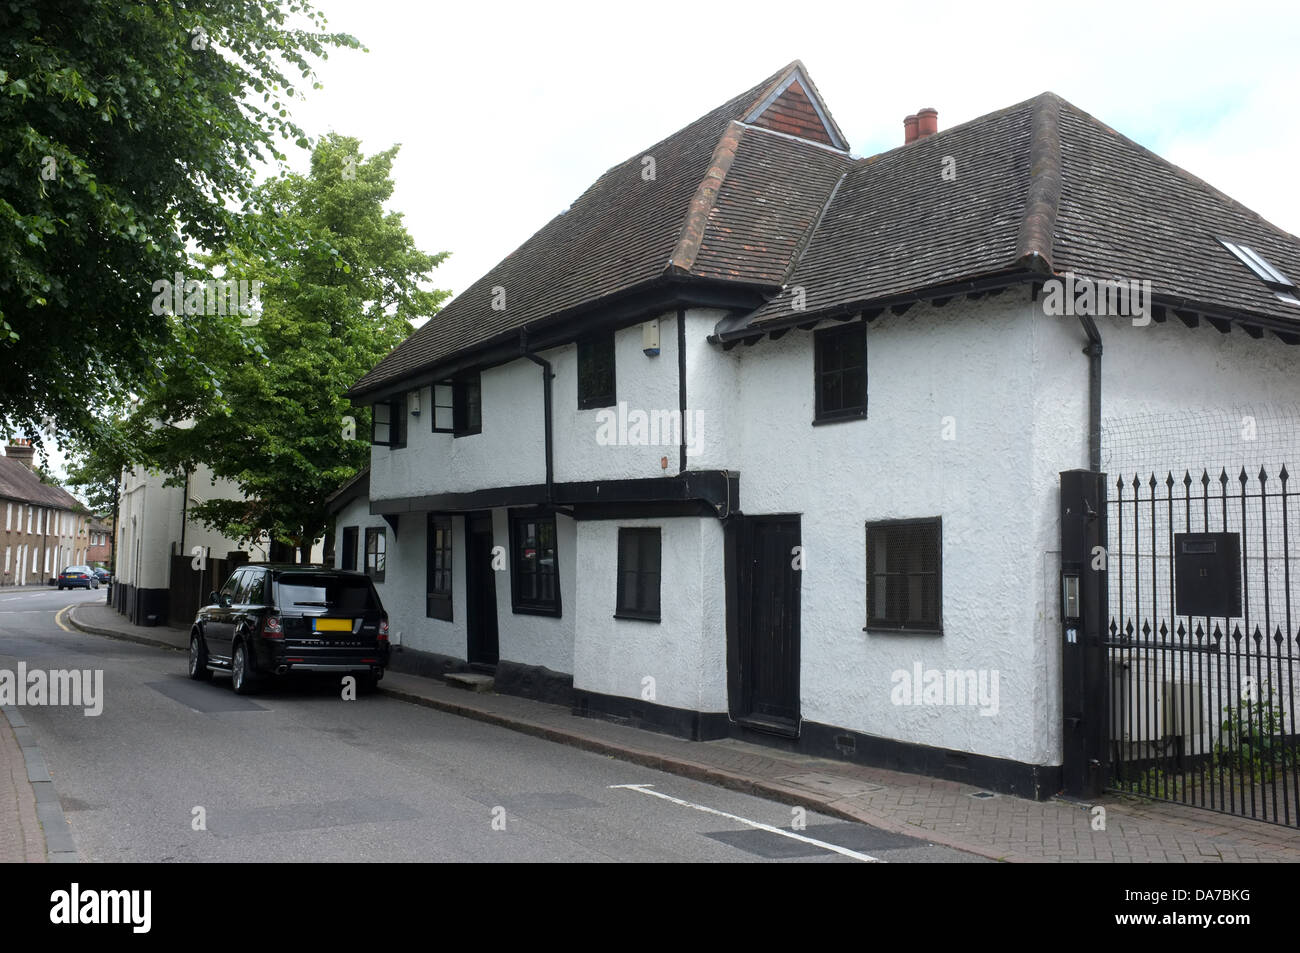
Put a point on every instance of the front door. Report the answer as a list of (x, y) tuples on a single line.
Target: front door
[(480, 591), (769, 630)]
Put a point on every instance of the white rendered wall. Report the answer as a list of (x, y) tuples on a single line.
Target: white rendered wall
[(973, 362), (511, 450), (685, 653), (537, 639)]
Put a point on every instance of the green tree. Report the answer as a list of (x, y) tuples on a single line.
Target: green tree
[(129, 132), (330, 309)]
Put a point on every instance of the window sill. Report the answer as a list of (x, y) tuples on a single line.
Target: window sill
[(597, 403), (878, 629), (841, 419), (466, 433), (536, 610), (637, 618)]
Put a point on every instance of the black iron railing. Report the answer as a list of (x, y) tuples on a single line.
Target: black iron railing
[(1203, 709)]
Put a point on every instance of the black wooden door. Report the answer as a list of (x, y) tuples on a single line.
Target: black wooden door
[(480, 591), (769, 649)]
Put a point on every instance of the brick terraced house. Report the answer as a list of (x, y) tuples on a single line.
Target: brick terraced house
[(751, 445), (44, 526)]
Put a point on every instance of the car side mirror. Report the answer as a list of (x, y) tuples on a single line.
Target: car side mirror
[(214, 599)]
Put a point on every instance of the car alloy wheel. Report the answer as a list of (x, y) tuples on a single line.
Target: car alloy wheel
[(199, 670), (241, 678)]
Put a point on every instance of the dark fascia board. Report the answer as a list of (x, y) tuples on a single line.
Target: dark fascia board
[(649, 299), (740, 330), (719, 489), (734, 330)]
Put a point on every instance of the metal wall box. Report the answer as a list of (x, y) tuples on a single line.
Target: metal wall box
[(1207, 574)]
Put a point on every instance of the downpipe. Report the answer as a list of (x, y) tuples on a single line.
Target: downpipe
[(547, 375), (1093, 350)]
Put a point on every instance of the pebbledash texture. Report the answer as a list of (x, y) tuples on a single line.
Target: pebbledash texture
[(891, 385)]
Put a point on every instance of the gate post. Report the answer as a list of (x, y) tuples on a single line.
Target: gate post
[(1085, 720)]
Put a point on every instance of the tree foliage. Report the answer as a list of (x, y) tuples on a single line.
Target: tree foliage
[(131, 132), (331, 307)]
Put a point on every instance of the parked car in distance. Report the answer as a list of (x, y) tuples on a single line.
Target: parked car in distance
[(78, 577), (103, 575), (273, 621)]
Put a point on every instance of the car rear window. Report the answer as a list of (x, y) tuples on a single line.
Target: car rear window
[(335, 593)]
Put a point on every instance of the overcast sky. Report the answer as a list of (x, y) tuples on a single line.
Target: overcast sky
[(507, 112)]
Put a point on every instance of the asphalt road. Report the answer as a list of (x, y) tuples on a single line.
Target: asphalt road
[(298, 774)]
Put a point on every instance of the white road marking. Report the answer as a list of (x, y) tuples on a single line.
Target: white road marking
[(645, 789)]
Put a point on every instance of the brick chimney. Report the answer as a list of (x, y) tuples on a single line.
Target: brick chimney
[(21, 450), (909, 129), (927, 122)]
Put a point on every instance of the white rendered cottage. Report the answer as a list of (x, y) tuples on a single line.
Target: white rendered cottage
[(753, 445)]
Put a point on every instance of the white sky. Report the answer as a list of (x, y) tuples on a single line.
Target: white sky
[(507, 112)]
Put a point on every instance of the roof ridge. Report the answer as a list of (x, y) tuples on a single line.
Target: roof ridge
[(770, 84), (696, 221), (1191, 177), (1035, 239)]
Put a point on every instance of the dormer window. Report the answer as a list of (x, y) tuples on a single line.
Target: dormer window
[(1282, 286)]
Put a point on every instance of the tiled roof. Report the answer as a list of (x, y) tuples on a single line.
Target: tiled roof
[(1040, 180), (20, 483), (1034, 187), (1127, 212), (629, 229)]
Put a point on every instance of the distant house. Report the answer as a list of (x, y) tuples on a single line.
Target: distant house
[(44, 527), (99, 532), (757, 435)]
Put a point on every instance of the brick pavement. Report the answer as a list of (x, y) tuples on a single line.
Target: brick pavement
[(21, 837), (1001, 827)]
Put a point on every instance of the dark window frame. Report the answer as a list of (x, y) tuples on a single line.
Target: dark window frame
[(462, 423), (376, 533), (640, 534), (593, 351), (521, 604), (902, 626), (824, 340), (396, 422), (438, 580), (449, 405), (351, 539)]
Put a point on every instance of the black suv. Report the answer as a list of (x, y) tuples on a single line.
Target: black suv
[(280, 620)]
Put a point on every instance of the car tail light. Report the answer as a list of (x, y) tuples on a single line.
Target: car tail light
[(383, 630), (271, 627)]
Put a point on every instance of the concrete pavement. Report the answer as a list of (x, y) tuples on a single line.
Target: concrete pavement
[(997, 827)]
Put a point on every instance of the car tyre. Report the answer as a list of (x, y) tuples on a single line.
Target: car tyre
[(242, 679), (199, 670), (367, 684)]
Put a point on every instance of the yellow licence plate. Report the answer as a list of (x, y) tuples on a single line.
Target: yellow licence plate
[(333, 625)]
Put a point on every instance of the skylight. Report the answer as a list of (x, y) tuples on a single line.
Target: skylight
[(1282, 286)]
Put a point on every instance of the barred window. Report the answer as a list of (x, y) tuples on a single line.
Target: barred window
[(438, 595), (904, 575), (596, 372), (376, 554), (841, 372), (639, 553), (534, 570)]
